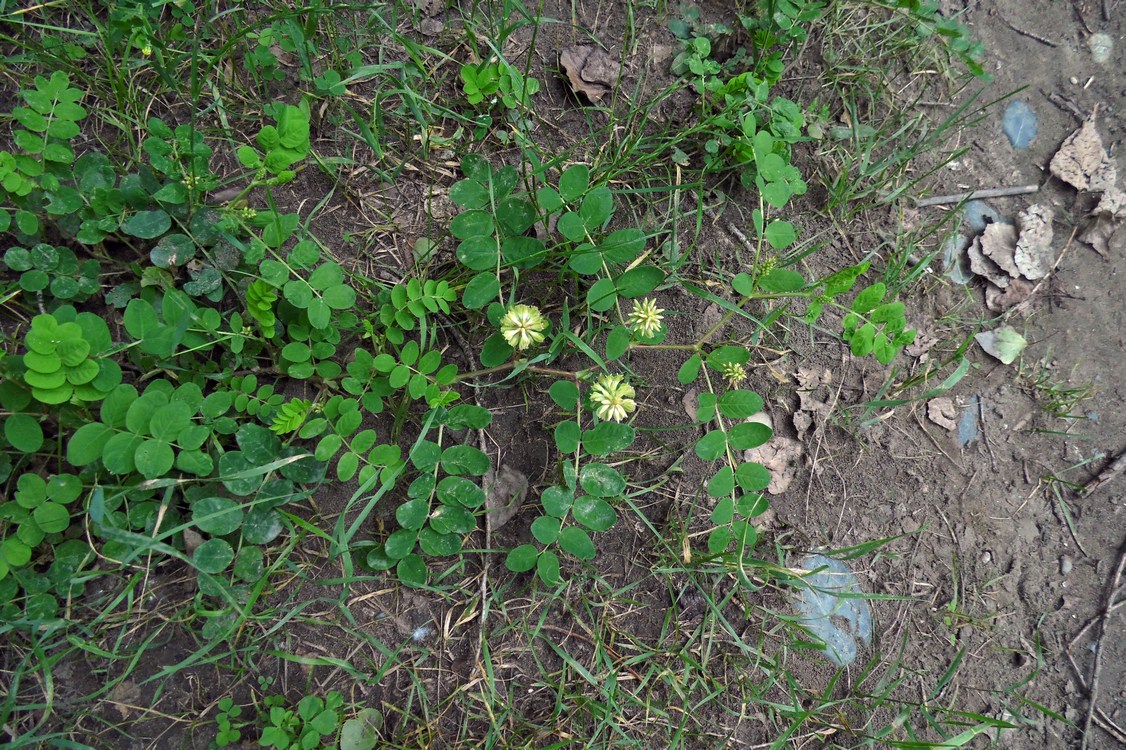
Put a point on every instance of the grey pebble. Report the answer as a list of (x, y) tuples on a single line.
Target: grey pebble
[(1066, 564)]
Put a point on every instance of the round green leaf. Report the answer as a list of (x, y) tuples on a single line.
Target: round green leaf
[(567, 436), (521, 559), (723, 483), (248, 564), (637, 282), (64, 488), (262, 526), (154, 458), (23, 433), (557, 501), (711, 446), (607, 438), (17, 554), (602, 295), (481, 290), (147, 224), (719, 539), (749, 435), (465, 459), (469, 194), (594, 513), (460, 491), (171, 421), (564, 393), (213, 556), (752, 505), (412, 514), (473, 223), (438, 545), (449, 519), (740, 404), (601, 480), (577, 542), (217, 516), (752, 477), (85, 445), (546, 529), (400, 543), (52, 518), (547, 568), (412, 571)]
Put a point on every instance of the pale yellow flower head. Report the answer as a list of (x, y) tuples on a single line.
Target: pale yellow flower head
[(613, 397), (522, 326), (734, 374), (645, 318)]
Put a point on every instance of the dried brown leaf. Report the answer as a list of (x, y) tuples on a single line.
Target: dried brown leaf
[(1082, 160), (983, 266), (998, 243), (590, 71), (943, 412), (1105, 221), (1033, 254), (505, 491), (998, 301)]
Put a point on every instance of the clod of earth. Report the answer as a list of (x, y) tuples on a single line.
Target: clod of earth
[(830, 606), (780, 456), (590, 71)]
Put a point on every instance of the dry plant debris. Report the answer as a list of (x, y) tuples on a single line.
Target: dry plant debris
[(1105, 221), (1083, 162), (505, 491), (943, 412), (590, 71), (780, 456)]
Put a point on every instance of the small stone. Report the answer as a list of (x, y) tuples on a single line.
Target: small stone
[(1066, 564), (987, 557)]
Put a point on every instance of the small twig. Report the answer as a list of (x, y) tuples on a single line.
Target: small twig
[(1064, 103), (1113, 469), (1108, 601), (1000, 192), (1030, 35)]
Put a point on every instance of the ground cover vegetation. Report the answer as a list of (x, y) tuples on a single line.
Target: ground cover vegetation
[(198, 361)]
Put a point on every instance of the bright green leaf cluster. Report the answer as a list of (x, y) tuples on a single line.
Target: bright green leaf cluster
[(63, 358)]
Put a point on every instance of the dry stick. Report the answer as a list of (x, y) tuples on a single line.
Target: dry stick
[(1000, 192), (1030, 35), (1108, 601), (1116, 467)]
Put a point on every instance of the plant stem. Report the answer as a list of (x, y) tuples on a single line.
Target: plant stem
[(512, 365)]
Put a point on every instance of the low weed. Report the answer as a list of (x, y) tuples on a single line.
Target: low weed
[(194, 373)]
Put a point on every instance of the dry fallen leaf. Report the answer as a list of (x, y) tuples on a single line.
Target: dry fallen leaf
[(780, 456), (589, 70), (998, 243), (1082, 160), (1105, 220), (998, 301), (505, 491), (1033, 255), (430, 8), (943, 412), (983, 266)]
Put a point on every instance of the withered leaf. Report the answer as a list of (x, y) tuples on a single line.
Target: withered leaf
[(1033, 255), (1082, 160), (590, 71)]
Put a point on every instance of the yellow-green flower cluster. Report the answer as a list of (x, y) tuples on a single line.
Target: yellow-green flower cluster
[(734, 374), (645, 318), (522, 326), (613, 398)]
